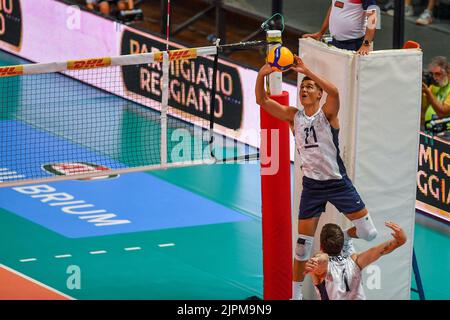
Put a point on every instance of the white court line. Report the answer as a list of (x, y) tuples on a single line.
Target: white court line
[(28, 260), (35, 281), (133, 248), (63, 256), (163, 245), (98, 252), (3, 169)]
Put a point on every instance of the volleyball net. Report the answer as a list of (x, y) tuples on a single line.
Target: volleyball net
[(100, 117)]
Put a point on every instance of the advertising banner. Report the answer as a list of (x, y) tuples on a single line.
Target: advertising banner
[(433, 177)]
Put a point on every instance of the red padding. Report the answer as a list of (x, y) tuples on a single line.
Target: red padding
[(276, 208)]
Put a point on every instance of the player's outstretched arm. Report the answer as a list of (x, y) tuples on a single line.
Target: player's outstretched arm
[(269, 105), (367, 257)]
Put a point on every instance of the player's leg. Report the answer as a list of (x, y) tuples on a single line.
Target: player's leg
[(348, 201), (363, 225), (312, 203), (303, 249)]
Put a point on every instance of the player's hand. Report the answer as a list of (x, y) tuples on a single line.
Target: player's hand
[(299, 66), (364, 50), (265, 70), (311, 265), (398, 233), (316, 35)]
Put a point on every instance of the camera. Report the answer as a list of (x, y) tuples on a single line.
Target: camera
[(428, 79)]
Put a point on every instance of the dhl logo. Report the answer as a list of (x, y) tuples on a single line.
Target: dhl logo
[(88, 63), (182, 54), (11, 71)]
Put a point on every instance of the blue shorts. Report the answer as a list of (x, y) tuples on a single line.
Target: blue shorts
[(353, 44), (341, 193)]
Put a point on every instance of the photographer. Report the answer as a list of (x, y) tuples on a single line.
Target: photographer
[(436, 93)]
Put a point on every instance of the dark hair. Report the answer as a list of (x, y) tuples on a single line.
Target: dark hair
[(441, 62), (306, 78), (332, 239)]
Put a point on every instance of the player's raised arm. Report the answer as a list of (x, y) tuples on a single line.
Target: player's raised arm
[(271, 106), (367, 257)]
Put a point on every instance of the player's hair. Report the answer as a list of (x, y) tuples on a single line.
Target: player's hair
[(308, 78), (332, 239), (440, 61)]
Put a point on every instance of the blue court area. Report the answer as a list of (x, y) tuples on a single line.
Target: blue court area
[(187, 233)]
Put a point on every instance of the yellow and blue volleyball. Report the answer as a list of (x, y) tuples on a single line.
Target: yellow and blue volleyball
[(280, 58)]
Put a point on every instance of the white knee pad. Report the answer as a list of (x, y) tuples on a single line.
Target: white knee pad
[(365, 228), (303, 247)]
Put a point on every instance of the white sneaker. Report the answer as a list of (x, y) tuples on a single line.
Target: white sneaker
[(409, 10), (425, 18)]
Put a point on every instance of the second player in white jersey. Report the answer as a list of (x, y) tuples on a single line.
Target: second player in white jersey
[(343, 280), (339, 277)]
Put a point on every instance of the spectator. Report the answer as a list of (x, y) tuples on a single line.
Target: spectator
[(425, 18), (104, 6), (436, 96), (352, 25)]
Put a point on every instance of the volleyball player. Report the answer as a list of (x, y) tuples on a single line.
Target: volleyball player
[(316, 130), (338, 277)]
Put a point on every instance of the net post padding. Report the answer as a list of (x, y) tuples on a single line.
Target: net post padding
[(276, 207), (164, 107)]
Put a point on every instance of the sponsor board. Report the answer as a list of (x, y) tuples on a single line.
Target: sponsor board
[(181, 54), (11, 71), (71, 168), (11, 23), (190, 81), (88, 63), (433, 177)]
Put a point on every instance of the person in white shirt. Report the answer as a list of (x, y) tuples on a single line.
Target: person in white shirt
[(338, 277), (352, 25)]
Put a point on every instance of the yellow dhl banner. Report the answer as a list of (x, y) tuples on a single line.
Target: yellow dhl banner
[(11, 71), (182, 54), (88, 63)]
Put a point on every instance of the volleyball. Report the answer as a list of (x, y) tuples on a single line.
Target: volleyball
[(280, 58)]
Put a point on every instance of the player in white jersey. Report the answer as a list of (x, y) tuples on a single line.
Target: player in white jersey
[(325, 180), (338, 277)]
